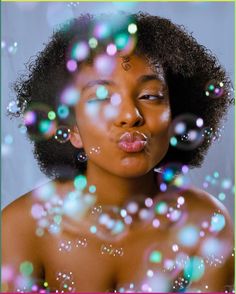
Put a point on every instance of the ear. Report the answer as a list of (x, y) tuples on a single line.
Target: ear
[(75, 138)]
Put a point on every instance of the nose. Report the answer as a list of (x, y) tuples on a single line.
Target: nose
[(129, 115)]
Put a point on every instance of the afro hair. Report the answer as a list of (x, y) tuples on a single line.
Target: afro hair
[(188, 68)]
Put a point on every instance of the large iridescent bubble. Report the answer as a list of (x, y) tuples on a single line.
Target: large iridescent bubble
[(186, 132)]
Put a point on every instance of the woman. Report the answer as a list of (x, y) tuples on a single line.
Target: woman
[(119, 108)]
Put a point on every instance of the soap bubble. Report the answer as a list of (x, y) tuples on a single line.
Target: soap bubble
[(62, 134), (82, 156), (186, 132)]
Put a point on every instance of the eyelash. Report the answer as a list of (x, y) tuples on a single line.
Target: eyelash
[(157, 97), (143, 97)]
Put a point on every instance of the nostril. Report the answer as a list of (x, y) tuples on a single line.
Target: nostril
[(138, 123)]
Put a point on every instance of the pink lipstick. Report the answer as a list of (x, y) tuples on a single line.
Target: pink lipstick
[(132, 142)]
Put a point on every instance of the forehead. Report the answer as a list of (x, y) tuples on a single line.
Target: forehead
[(116, 68)]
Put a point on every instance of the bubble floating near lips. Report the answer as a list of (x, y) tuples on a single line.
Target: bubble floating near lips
[(186, 132)]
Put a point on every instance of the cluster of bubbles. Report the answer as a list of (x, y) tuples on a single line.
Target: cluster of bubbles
[(108, 224), (109, 36), (186, 132), (67, 246), (180, 284), (214, 89), (225, 184), (66, 281), (23, 281), (48, 216), (14, 107), (192, 267), (173, 176), (213, 135), (41, 121), (110, 250)]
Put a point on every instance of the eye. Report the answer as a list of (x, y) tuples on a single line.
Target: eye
[(152, 97)]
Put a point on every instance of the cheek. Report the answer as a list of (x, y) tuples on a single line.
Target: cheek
[(159, 122), (96, 115)]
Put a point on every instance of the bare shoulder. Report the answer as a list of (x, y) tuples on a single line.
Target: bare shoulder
[(208, 212), (20, 245), (16, 216)]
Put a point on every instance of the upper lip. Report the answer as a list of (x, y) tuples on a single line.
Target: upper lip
[(131, 137)]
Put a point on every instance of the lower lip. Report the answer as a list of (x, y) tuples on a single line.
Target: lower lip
[(132, 147)]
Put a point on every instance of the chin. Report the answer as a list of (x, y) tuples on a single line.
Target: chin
[(132, 168)]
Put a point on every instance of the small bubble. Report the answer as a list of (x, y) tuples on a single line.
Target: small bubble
[(82, 156), (62, 134)]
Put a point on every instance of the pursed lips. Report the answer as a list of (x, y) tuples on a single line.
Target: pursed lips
[(132, 142)]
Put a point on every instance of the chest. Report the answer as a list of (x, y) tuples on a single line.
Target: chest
[(82, 262)]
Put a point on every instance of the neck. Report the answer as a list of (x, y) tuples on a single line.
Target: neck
[(115, 190)]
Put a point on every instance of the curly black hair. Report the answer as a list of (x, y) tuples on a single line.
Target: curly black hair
[(188, 67)]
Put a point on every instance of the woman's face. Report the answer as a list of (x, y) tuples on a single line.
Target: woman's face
[(123, 116)]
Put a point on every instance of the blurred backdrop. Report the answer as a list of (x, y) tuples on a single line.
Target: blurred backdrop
[(26, 27)]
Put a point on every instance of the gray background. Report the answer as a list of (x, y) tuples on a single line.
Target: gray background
[(31, 24)]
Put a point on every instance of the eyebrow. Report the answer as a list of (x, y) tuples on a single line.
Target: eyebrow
[(97, 82), (140, 80), (147, 78)]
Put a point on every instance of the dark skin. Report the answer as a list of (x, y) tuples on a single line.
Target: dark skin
[(118, 176)]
